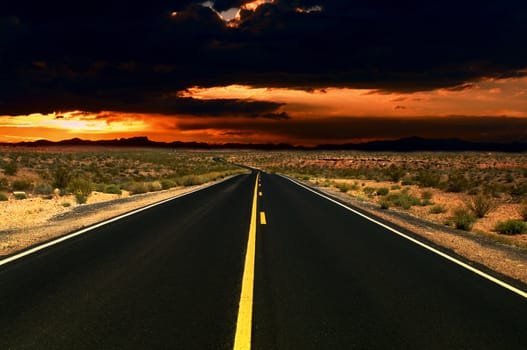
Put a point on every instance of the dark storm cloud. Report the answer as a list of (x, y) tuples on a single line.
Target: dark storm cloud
[(228, 108), (488, 129), (117, 54)]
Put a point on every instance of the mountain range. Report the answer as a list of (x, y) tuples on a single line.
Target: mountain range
[(408, 144)]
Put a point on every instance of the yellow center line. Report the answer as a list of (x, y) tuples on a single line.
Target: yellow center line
[(262, 218), (242, 339)]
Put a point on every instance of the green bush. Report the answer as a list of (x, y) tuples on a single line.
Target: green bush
[(43, 188), (463, 219), (395, 173), (166, 184), (407, 182), (112, 189), (369, 191), (81, 189), (342, 187), (383, 191), (4, 184), (61, 177), (456, 183), (511, 227), (11, 168), (155, 186), (403, 200), (20, 195), (138, 187), (426, 197), (3, 197), (384, 203), (481, 205), (192, 180), (425, 178), (22, 185), (437, 209)]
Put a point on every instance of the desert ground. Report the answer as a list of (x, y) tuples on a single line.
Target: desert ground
[(473, 204), (46, 193)]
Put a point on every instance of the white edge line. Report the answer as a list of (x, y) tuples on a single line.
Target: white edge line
[(102, 223), (423, 245)]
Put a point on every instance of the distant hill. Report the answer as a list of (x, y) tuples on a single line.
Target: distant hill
[(409, 144)]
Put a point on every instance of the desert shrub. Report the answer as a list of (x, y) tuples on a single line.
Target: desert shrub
[(473, 191), (4, 184), (395, 173), (191, 180), (81, 189), (481, 205), (369, 191), (407, 182), (3, 197), (511, 227), (396, 187), (66, 204), (437, 209), (463, 219), (155, 186), (403, 200), (354, 186), (384, 203), (112, 189), (519, 190), (523, 211), (426, 178), (43, 188), (138, 187), (61, 177), (426, 197), (20, 195), (22, 185), (383, 191), (166, 184), (11, 168), (342, 187), (456, 183)]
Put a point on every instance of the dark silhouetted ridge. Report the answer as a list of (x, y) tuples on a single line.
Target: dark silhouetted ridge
[(409, 144)]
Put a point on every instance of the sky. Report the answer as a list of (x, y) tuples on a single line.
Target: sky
[(303, 72)]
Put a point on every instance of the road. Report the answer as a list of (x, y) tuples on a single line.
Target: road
[(170, 277)]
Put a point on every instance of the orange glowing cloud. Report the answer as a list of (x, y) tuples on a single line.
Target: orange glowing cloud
[(318, 116), (489, 97)]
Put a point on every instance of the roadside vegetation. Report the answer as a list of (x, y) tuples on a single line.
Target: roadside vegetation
[(484, 193), (26, 173)]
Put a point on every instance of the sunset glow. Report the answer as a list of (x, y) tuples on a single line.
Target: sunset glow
[(301, 72), (487, 98)]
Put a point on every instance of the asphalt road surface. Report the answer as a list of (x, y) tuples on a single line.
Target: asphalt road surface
[(170, 277)]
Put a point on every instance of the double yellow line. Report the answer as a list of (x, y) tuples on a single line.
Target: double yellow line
[(242, 339)]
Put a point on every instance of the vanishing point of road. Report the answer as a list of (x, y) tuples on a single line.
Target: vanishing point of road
[(257, 261)]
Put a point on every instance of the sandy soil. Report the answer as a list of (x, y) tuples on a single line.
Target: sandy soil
[(505, 255), (26, 222)]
